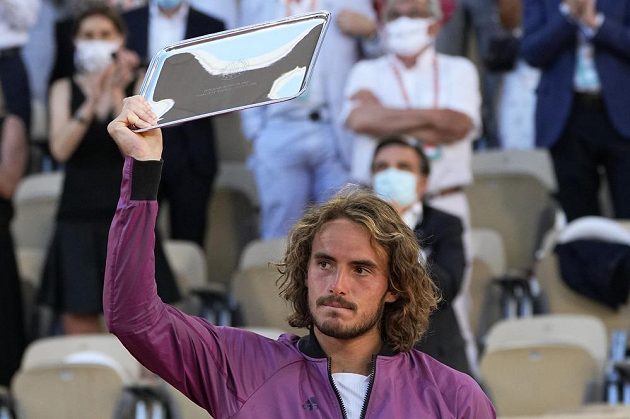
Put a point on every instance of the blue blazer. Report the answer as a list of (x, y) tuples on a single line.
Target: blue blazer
[(549, 43)]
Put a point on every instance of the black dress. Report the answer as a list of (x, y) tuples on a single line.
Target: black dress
[(12, 338), (75, 265)]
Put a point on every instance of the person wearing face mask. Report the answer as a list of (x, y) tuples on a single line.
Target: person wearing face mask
[(80, 107), (190, 148), (412, 90), (400, 171), (300, 151)]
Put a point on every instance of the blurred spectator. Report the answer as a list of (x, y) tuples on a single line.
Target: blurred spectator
[(400, 173), (468, 33), (13, 158), (189, 149), (516, 100), (64, 65), (80, 108), (415, 91), (16, 18), (583, 50), (300, 151)]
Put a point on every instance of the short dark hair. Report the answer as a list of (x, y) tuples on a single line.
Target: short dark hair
[(100, 10), (415, 145)]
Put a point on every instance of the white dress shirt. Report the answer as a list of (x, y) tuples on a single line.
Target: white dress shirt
[(16, 18), (164, 31), (447, 82)]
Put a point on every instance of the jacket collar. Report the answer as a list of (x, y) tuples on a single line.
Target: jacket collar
[(309, 346)]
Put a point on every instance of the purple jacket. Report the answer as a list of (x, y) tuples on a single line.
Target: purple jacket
[(237, 374)]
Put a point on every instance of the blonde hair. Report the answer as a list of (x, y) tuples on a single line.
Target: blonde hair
[(405, 320)]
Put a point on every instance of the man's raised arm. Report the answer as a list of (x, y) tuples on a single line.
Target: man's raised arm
[(186, 351)]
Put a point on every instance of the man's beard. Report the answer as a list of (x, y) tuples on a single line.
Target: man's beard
[(331, 327)]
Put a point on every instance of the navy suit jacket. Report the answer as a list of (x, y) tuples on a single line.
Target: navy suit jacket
[(440, 236), (549, 43), (190, 144)]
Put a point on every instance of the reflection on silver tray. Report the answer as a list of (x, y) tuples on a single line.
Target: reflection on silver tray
[(234, 70)]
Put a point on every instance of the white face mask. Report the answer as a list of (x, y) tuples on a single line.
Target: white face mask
[(92, 56), (407, 36), (397, 186)]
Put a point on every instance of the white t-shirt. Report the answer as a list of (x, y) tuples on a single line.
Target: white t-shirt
[(444, 81), (352, 389)]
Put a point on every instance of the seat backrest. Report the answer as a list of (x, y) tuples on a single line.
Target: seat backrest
[(188, 262), (256, 290), (232, 223), (67, 391), (544, 363), (535, 162), (35, 203), (586, 332), (518, 206), (563, 300), (262, 252), (537, 379), (30, 261), (488, 262), (61, 349)]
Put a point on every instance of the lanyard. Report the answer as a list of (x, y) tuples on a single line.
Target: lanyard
[(403, 88), (288, 6)]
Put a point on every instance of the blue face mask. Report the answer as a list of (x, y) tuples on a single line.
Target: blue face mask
[(396, 185), (168, 4)]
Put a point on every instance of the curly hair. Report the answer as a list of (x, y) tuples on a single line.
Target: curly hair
[(405, 320)]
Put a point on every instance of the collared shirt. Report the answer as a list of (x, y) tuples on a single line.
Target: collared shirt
[(413, 216), (457, 89), (16, 18), (164, 31)]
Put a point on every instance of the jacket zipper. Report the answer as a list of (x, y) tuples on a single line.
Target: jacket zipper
[(367, 394), (369, 389), (332, 383)]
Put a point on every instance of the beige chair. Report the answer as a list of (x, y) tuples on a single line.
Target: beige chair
[(232, 223), (56, 350), (231, 145), (535, 162), (30, 261), (488, 262), (188, 262), (254, 285), (67, 391), (73, 377), (514, 201), (560, 297), (544, 363), (35, 203)]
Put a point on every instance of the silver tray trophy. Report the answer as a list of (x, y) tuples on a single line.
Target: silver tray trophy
[(233, 70)]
